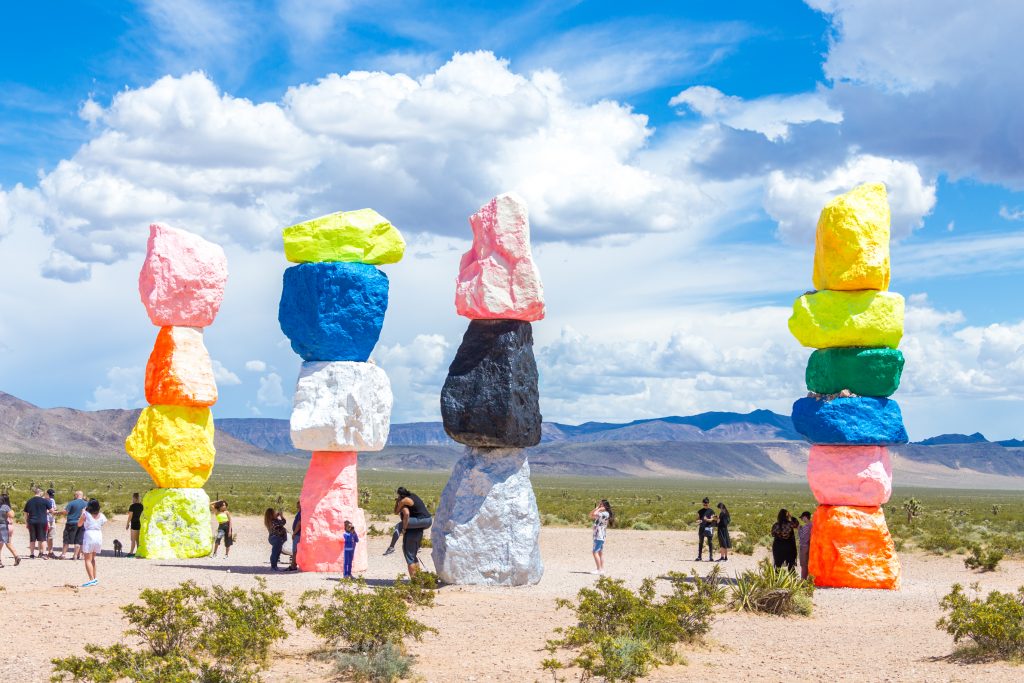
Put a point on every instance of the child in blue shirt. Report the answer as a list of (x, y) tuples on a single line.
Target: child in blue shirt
[(351, 538)]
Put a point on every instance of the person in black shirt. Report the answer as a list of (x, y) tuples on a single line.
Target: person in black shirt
[(722, 521), (134, 524), (35, 511), (784, 544), (705, 531), (414, 518)]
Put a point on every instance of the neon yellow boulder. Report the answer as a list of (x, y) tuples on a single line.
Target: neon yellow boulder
[(175, 524), (828, 319), (174, 444), (362, 236), (851, 249)]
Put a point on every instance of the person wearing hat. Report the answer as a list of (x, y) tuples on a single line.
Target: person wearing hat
[(705, 531)]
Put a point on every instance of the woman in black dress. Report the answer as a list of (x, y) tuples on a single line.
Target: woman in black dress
[(724, 542), (784, 545)]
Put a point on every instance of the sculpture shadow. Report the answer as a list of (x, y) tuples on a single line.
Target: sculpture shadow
[(234, 568)]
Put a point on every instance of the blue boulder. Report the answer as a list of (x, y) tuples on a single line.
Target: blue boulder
[(333, 311), (856, 420)]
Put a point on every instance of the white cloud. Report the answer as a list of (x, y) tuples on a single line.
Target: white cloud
[(771, 116), (417, 371), (310, 21), (255, 366), (223, 376), (1015, 214), (123, 389), (795, 201), (271, 391)]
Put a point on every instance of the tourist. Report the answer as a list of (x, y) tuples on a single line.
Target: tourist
[(92, 542), (351, 539), (7, 529), (51, 522), (705, 531), (225, 530), (277, 530), (296, 533), (784, 545), (73, 534), (134, 523), (414, 518), (722, 521), (603, 518), (805, 542), (36, 509)]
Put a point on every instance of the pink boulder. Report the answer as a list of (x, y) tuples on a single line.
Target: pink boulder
[(497, 276), (850, 475), (182, 279), (330, 496)]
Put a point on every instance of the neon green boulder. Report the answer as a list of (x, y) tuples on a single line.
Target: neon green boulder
[(175, 524), (362, 236), (828, 319)]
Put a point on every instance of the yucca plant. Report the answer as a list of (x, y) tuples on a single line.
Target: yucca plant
[(772, 590)]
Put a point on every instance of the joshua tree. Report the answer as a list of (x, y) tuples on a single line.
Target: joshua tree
[(995, 509), (913, 508)]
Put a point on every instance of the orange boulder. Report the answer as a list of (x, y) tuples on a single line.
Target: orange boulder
[(851, 548), (179, 371)]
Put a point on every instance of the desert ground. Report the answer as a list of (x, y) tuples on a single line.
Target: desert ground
[(498, 634)]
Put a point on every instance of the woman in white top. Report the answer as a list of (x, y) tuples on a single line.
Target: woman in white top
[(603, 517), (92, 520)]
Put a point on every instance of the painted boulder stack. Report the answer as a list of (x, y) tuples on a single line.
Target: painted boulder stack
[(486, 529), (855, 324), (332, 309), (182, 287)]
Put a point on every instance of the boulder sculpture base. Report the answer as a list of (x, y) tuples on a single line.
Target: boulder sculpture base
[(487, 527), (330, 496), (175, 525), (851, 548)]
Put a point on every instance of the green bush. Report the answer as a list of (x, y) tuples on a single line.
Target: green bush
[(384, 665), (620, 635), (985, 559), (994, 625), (419, 589), (772, 590), (641, 526), (743, 546)]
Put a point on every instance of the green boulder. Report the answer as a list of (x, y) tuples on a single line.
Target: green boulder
[(865, 372), (362, 236), (175, 524)]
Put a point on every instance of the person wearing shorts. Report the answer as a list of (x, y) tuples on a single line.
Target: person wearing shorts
[(36, 509), (602, 516), (7, 528), (224, 528), (92, 521), (51, 521), (73, 534)]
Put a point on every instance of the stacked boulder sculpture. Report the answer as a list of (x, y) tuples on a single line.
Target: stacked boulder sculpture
[(182, 286), (855, 324), (332, 309), (486, 529)]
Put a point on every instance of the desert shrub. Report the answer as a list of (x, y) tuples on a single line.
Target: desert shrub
[(985, 559), (419, 590), (743, 546), (385, 664), (772, 590), (620, 634), (188, 635), (641, 526), (941, 541), (995, 625), (549, 519)]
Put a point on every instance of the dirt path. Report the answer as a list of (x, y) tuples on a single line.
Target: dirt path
[(499, 634)]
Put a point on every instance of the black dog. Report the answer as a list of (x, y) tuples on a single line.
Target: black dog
[(117, 548)]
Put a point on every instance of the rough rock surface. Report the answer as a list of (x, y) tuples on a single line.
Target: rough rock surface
[(333, 311), (179, 371), (827, 319), (182, 279), (362, 236), (175, 524), (174, 444), (865, 372), (330, 495), (855, 420), (850, 475), (851, 249), (341, 406), (497, 276), (487, 528), (851, 548), (490, 397)]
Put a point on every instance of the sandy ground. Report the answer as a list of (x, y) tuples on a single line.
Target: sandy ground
[(490, 634)]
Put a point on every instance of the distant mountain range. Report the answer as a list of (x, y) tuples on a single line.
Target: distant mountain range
[(760, 445)]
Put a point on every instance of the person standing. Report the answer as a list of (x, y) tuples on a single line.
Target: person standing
[(603, 518), (351, 539), (73, 534), (705, 531), (277, 534), (225, 532), (805, 542), (296, 533), (7, 529), (722, 521), (51, 521), (133, 525), (92, 522), (784, 545), (414, 518), (36, 509)]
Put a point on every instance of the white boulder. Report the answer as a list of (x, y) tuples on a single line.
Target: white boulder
[(487, 528), (341, 406)]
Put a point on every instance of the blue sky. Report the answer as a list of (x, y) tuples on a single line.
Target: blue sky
[(674, 156)]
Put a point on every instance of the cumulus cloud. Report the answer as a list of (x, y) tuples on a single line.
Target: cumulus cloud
[(271, 391), (223, 376), (771, 116), (255, 366), (122, 389)]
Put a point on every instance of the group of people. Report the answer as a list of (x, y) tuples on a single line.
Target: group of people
[(791, 539)]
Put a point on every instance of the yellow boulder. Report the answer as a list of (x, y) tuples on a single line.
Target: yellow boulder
[(828, 319), (851, 249), (362, 236), (174, 444)]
